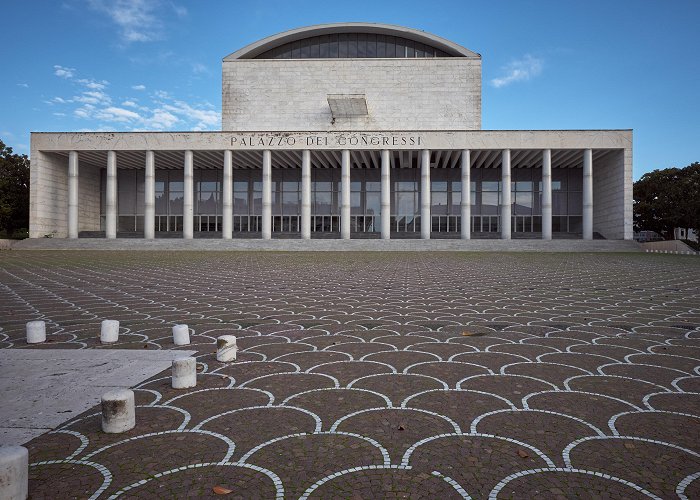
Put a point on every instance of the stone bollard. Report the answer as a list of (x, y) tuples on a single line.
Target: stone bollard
[(109, 332), (181, 335), (118, 411), (184, 373), (36, 332), (14, 472), (226, 348)]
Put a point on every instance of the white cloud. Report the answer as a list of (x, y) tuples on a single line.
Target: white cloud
[(137, 20), (92, 84), (93, 97), (63, 72), (157, 111), (23, 85), (199, 68), (180, 11), (161, 119), (205, 118), (115, 114), (519, 70)]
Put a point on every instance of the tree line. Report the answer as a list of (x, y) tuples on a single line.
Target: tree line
[(667, 199), (14, 193)]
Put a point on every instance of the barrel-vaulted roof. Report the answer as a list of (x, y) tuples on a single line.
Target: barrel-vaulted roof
[(266, 44)]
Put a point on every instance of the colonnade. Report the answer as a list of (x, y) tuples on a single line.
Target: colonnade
[(385, 216)]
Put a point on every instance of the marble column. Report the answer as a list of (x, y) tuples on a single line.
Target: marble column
[(466, 205), (547, 194), (385, 222), (111, 196), (73, 194), (587, 194), (505, 195), (188, 200), (267, 195), (149, 201), (345, 195), (426, 223), (306, 194), (227, 201)]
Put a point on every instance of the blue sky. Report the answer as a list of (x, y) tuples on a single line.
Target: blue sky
[(76, 65)]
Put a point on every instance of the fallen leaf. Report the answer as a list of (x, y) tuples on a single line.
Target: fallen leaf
[(467, 334), (629, 446), (220, 490), (145, 346), (200, 367), (401, 427), (522, 453)]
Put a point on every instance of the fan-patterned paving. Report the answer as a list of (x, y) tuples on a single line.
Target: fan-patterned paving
[(397, 375)]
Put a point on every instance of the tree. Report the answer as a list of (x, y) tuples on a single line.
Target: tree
[(14, 190), (667, 199)]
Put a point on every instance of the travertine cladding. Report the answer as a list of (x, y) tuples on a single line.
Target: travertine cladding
[(612, 195), (49, 195), (402, 94)]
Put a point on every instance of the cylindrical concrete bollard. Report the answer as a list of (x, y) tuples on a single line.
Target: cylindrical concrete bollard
[(226, 348), (118, 411), (14, 472), (36, 332), (109, 332), (184, 373), (181, 335)]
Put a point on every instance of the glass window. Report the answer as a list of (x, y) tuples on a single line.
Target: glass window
[(315, 48), (333, 46), (373, 203), (455, 207), (352, 45), (559, 205), (490, 186), (400, 47), (439, 186), (559, 175), (523, 203), (296, 49), (489, 203), (575, 179), (371, 45), (361, 46), (575, 203), (343, 45), (410, 49), (439, 203), (381, 46), (324, 48), (176, 201)]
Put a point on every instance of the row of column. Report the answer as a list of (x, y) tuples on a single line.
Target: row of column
[(385, 217)]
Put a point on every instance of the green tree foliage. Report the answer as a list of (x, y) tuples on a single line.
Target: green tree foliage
[(14, 190), (668, 198)]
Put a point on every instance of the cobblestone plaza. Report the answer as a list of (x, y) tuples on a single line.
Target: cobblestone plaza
[(365, 375)]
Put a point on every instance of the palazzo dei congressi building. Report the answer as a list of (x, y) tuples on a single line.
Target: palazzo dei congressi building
[(340, 130)]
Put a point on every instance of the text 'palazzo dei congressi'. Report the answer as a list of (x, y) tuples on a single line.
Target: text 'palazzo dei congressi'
[(350, 130)]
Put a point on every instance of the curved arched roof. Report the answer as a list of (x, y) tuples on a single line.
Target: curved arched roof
[(261, 46)]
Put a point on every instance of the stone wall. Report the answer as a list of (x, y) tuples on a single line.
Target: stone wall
[(48, 194), (612, 195), (401, 94)]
